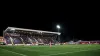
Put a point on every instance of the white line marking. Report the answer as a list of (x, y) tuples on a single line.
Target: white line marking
[(69, 52), (14, 52)]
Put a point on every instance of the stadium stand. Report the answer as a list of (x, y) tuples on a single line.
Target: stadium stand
[(21, 36)]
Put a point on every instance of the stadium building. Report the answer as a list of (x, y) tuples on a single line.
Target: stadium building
[(21, 36), (2, 40)]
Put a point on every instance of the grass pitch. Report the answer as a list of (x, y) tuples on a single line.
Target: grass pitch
[(57, 50)]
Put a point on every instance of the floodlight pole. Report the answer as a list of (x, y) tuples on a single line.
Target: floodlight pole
[(58, 36), (58, 27)]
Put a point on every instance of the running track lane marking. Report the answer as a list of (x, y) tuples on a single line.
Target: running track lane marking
[(14, 52)]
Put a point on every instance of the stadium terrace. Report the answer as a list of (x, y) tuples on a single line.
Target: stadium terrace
[(21, 36)]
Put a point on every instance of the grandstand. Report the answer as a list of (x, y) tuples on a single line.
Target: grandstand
[(21, 36)]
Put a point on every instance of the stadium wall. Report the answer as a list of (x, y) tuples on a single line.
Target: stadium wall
[(1, 39)]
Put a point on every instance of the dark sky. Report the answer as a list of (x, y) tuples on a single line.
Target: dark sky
[(80, 23)]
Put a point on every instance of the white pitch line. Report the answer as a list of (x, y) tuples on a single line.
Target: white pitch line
[(68, 52), (14, 52)]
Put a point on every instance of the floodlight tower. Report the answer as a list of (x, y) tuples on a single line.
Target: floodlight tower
[(58, 27)]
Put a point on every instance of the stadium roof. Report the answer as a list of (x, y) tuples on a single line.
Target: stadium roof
[(14, 28)]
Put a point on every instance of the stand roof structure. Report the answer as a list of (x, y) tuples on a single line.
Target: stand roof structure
[(23, 29)]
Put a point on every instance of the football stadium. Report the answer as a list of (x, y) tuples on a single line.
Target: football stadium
[(29, 42)]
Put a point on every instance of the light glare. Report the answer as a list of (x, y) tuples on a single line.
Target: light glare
[(58, 26)]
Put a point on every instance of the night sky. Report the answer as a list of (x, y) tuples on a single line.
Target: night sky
[(80, 24)]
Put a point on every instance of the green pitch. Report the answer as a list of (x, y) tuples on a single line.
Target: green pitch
[(58, 50)]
